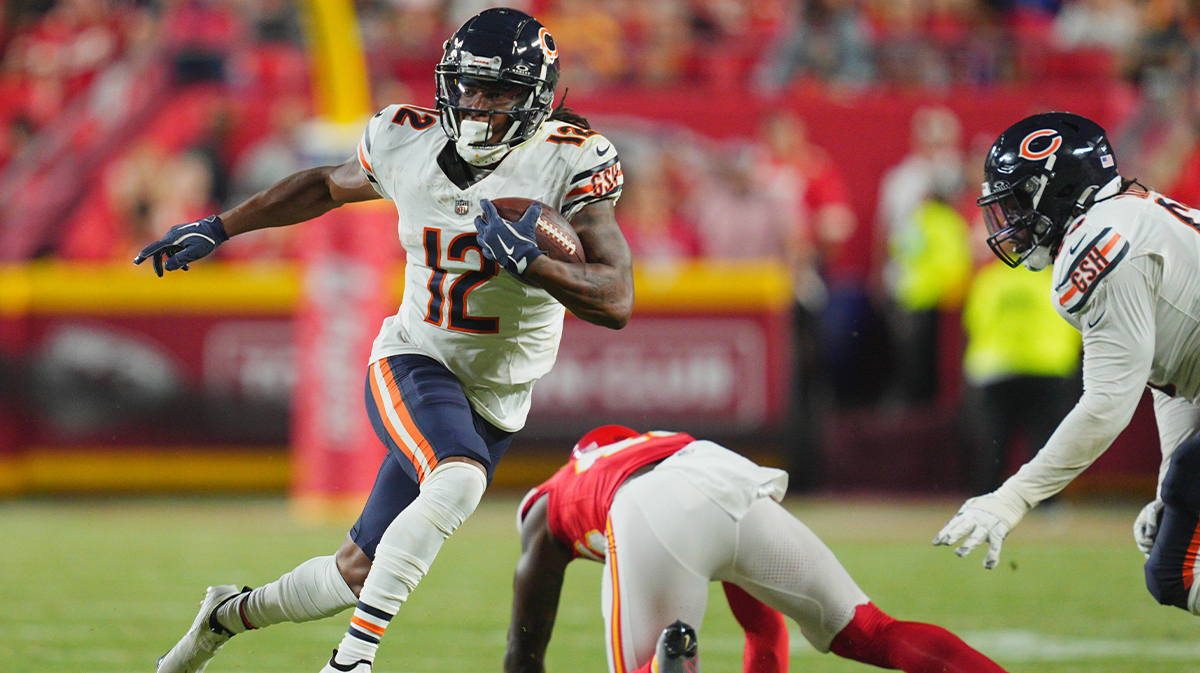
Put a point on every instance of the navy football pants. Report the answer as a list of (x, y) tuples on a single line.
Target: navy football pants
[(421, 414)]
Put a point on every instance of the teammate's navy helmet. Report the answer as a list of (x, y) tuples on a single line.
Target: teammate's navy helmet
[(1039, 175), (506, 46)]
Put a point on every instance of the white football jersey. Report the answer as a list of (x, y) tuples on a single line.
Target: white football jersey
[(1128, 277), (498, 335)]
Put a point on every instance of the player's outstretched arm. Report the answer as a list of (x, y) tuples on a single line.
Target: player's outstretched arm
[(297, 198), (537, 585), (600, 291)]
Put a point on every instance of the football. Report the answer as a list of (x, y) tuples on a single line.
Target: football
[(555, 235)]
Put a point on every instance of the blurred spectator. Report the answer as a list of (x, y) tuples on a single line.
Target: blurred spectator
[(274, 21), (17, 134), (737, 218), (595, 53), (933, 163), (929, 256), (202, 35), (62, 52), (906, 53), (657, 235), (1020, 365), (803, 178), (274, 157), (1106, 24), (659, 39), (802, 175), (827, 39), (152, 191), (212, 147)]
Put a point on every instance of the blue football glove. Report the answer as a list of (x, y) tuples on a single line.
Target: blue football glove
[(512, 245), (183, 244)]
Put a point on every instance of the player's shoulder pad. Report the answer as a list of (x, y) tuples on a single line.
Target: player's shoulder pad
[(1094, 246), (391, 128), (594, 164)]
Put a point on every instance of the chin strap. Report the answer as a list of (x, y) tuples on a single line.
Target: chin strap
[(1038, 259)]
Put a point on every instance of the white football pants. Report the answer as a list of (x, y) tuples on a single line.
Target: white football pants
[(667, 541)]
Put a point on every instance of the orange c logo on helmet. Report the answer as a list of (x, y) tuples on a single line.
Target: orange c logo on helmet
[(549, 49), (1055, 143)]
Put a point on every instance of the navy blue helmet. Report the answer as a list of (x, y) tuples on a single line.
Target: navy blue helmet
[(1040, 175), (499, 47)]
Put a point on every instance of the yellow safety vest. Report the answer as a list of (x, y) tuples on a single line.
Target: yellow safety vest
[(1012, 328), (933, 258)]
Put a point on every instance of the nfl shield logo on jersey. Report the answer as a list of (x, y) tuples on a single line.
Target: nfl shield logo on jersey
[(461, 206)]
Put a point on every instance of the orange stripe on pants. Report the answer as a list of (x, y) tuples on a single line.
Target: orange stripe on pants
[(402, 412), (1189, 560), (618, 653), (383, 405)]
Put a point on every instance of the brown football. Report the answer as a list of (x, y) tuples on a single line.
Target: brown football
[(555, 235)]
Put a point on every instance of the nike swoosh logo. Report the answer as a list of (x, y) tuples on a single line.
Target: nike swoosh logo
[(1075, 247), (606, 149), (1093, 323), (507, 250)]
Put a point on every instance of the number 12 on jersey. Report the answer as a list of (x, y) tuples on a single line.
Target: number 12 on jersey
[(460, 287)]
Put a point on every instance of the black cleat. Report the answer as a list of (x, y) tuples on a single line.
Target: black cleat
[(677, 651)]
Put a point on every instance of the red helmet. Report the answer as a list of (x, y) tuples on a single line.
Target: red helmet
[(602, 436)]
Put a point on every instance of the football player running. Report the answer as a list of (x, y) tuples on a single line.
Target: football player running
[(667, 514), (1127, 275), (450, 374)]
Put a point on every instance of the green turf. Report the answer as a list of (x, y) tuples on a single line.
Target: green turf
[(107, 586)]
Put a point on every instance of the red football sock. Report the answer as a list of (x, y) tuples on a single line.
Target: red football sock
[(874, 638), (766, 633)]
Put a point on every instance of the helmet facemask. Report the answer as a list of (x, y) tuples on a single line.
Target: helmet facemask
[(1015, 228), (507, 105)]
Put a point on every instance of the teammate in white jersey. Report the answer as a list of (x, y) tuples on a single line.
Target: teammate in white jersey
[(450, 375), (1127, 275)]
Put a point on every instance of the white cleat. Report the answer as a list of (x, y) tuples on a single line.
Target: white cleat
[(360, 666), (198, 646)]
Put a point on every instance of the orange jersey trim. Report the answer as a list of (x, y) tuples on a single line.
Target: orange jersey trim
[(362, 159)]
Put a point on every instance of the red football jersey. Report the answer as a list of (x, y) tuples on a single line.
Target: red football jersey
[(582, 490)]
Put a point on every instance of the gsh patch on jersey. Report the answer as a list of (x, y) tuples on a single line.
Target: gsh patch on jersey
[(1091, 259)]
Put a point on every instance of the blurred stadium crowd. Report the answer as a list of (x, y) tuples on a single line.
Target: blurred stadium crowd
[(120, 118), (77, 75)]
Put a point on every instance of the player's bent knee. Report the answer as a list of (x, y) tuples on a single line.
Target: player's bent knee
[(453, 490), (1166, 583), (1181, 487), (353, 565)]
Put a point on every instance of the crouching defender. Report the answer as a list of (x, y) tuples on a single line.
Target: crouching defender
[(668, 514), (1126, 265)]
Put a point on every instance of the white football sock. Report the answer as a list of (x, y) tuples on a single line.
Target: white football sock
[(448, 496), (314, 590)]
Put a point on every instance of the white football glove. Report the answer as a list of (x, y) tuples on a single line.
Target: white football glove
[(987, 517), (1145, 528)]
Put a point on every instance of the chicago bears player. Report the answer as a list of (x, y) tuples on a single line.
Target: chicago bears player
[(667, 514), (450, 374), (1127, 275)]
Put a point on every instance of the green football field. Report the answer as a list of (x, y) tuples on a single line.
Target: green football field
[(109, 585)]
